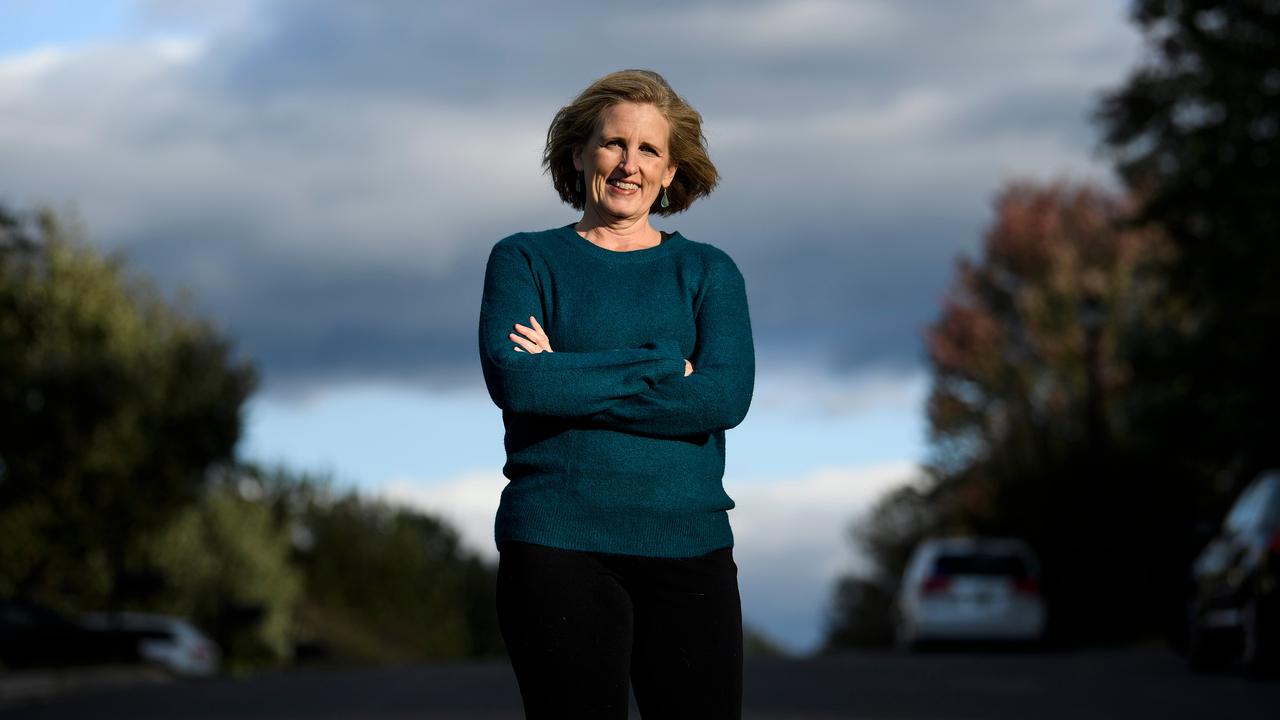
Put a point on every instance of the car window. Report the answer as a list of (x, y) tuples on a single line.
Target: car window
[(1269, 500), (1245, 513), (993, 564), (915, 566)]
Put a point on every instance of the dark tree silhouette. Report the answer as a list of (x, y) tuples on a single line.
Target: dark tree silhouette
[(1196, 131)]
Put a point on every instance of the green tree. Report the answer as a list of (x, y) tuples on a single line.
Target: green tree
[(113, 405), (228, 565), (389, 579), (383, 583)]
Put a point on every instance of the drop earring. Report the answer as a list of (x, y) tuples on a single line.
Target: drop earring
[(664, 202), (578, 185)]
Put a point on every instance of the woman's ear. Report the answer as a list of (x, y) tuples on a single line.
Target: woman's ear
[(669, 175), (577, 160)]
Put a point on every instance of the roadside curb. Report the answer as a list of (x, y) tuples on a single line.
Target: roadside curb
[(25, 686)]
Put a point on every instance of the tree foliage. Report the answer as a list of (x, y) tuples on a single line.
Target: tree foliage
[(113, 404), (119, 488), (1196, 130), (862, 615), (1029, 332), (1106, 443), (383, 583), (1029, 412), (228, 565)]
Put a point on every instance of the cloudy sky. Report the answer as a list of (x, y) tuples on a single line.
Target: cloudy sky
[(327, 179)]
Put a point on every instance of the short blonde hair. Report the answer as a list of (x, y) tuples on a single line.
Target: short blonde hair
[(574, 124)]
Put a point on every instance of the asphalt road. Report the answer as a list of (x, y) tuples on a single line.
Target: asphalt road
[(1147, 683)]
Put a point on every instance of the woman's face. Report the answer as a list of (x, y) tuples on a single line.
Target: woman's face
[(626, 162)]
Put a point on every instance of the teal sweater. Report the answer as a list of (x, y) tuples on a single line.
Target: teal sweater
[(609, 446)]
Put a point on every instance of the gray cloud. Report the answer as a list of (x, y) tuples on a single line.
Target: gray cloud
[(328, 177)]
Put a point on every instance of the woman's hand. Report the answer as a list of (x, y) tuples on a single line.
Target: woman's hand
[(537, 340)]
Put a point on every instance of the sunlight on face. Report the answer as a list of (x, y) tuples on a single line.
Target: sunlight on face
[(626, 162)]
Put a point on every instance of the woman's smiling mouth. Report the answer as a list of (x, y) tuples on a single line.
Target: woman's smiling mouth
[(624, 185)]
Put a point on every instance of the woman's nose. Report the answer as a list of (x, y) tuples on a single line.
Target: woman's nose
[(629, 166)]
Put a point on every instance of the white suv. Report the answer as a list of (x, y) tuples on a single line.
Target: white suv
[(970, 589)]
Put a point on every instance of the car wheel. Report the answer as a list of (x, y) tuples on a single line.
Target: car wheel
[(903, 637), (1204, 647), (1249, 634), (1256, 653)]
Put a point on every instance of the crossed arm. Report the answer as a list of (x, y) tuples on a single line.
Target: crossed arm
[(646, 390), (532, 338)]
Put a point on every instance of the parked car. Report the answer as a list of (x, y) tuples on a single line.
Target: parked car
[(1234, 611), (970, 589), (34, 635), (169, 642)]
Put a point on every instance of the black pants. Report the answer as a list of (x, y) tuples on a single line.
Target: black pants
[(578, 624)]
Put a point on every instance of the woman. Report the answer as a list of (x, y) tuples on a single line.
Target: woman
[(619, 356)]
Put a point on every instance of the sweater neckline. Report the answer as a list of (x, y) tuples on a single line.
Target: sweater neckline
[(669, 241)]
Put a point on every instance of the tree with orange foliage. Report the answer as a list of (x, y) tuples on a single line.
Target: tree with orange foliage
[(1030, 415), (1036, 327)]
